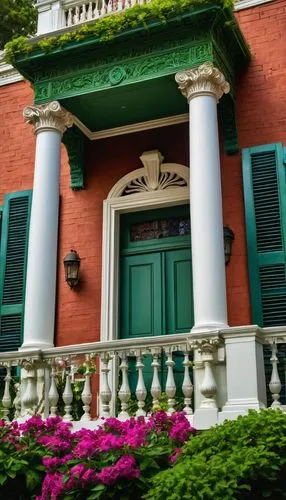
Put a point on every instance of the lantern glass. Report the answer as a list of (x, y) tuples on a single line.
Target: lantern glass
[(228, 236), (71, 265)]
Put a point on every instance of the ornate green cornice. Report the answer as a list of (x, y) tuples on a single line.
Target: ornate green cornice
[(117, 71), (74, 141)]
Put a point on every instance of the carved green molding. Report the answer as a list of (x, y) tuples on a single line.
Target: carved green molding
[(119, 71), (74, 141), (228, 122)]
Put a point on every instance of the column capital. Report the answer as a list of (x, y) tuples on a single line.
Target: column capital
[(204, 80), (50, 116)]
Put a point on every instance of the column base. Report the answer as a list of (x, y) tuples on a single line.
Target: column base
[(209, 327), (235, 408), (204, 418), (37, 345)]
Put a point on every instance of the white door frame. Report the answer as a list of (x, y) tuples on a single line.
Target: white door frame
[(113, 207)]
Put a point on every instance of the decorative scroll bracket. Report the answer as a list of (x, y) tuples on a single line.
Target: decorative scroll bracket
[(74, 141)]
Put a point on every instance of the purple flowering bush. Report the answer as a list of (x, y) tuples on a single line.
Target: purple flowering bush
[(45, 460)]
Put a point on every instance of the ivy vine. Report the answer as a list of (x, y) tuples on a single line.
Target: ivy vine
[(106, 28)]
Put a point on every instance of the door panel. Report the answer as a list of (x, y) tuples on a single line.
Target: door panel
[(141, 295), (180, 316)]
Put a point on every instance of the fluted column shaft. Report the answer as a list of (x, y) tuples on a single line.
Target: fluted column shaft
[(203, 87), (50, 122)]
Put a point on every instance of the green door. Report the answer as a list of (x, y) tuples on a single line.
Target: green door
[(156, 281)]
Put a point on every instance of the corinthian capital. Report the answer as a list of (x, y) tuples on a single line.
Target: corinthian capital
[(48, 116), (204, 80)]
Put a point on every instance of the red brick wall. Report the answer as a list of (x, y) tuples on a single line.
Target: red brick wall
[(17, 143), (261, 119)]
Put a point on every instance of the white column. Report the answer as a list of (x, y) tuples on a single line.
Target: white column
[(50, 121), (203, 87)]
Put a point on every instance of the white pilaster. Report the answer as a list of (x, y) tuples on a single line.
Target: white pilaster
[(203, 87), (245, 373), (50, 121)]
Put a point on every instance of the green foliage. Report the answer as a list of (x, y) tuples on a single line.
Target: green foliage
[(243, 459), (21, 469), (106, 28), (17, 19)]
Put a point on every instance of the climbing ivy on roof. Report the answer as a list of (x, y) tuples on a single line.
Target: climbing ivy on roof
[(106, 28)]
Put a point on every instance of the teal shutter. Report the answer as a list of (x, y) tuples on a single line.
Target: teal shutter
[(265, 209), (13, 258)]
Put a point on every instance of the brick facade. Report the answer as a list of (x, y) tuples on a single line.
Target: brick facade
[(260, 119)]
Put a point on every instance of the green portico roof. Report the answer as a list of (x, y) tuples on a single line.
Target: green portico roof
[(128, 77)]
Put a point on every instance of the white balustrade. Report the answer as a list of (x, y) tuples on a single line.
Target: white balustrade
[(52, 377), (82, 12)]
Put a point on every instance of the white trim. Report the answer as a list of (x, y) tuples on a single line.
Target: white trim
[(8, 74), (130, 129), (112, 209), (246, 4)]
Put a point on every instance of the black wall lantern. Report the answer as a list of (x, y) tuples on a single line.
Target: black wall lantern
[(228, 236), (71, 265)]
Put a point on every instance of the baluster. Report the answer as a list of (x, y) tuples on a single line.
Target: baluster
[(6, 400), (41, 390), (86, 395), (53, 393), (187, 386), (124, 392), (104, 8), (156, 386), (141, 391), (30, 396), (89, 12), (109, 6), (69, 18), (76, 15), (17, 401), (275, 383), (83, 13), (208, 388), (97, 10), (68, 397), (105, 391), (170, 382), (120, 5)]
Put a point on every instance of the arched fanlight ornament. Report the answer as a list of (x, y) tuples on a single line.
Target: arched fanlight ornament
[(71, 265)]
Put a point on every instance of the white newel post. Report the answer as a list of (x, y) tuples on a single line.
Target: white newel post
[(50, 122), (203, 87)]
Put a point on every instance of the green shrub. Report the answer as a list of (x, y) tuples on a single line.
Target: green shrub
[(239, 459)]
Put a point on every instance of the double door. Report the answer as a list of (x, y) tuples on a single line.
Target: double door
[(156, 281)]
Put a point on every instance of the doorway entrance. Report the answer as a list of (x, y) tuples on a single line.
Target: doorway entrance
[(155, 280)]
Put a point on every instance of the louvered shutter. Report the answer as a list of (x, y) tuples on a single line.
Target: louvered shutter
[(265, 208), (14, 242)]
